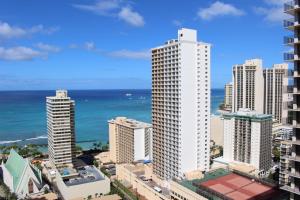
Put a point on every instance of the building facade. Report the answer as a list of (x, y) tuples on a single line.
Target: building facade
[(129, 140), (276, 97), (292, 8), (228, 97), (247, 86), (285, 153), (61, 129), (248, 138), (181, 105)]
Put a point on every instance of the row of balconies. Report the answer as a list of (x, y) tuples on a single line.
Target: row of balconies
[(291, 7)]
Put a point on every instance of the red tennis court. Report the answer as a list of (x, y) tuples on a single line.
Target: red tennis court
[(237, 187)]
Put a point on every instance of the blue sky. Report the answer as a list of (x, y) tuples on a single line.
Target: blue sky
[(104, 44)]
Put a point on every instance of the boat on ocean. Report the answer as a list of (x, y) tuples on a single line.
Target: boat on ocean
[(128, 94)]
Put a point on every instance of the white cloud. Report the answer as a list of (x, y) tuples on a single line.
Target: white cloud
[(219, 9), (90, 46), (273, 12), (47, 47), (8, 31), (115, 9), (177, 22), (131, 17), (19, 53), (104, 7), (276, 2), (130, 54)]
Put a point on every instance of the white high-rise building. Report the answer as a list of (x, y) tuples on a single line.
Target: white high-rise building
[(248, 138), (129, 140), (276, 97), (61, 129), (181, 105), (248, 87)]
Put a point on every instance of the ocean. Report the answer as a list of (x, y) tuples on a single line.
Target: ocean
[(23, 113)]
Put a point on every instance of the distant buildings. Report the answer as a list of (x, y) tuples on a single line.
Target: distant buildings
[(129, 140), (248, 86), (228, 97), (275, 94), (21, 176), (61, 129), (248, 138), (181, 105), (262, 90)]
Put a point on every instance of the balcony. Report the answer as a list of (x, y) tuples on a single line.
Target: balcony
[(288, 41), (290, 57), (292, 190), (294, 158), (291, 7), (291, 24), (295, 141)]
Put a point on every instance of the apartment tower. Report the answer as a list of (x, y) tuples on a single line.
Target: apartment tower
[(228, 96), (248, 86), (292, 8), (61, 129), (129, 140), (248, 138), (181, 105), (276, 97)]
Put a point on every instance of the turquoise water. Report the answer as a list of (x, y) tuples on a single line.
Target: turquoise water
[(23, 113)]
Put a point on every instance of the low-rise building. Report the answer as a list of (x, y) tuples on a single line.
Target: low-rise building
[(81, 182), (225, 184), (129, 140), (139, 177), (22, 178)]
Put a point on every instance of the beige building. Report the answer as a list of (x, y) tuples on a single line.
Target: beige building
[(180, 192), (140, 178), (61, 129), (248, 86), (228, 97), (129, 140), (276, 97)]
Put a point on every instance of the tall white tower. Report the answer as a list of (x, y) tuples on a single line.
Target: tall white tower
[(181, 105), (61, 129)]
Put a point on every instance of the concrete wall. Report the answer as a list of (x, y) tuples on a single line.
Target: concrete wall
[(187, 194)]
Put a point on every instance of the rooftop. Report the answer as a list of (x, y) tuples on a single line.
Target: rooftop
[(248, 114), (86, 174), (131, 123), (225, 184)]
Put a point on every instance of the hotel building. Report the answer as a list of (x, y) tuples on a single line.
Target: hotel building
[(247, 86), (292, 8), (129, 140), (248, 138), (61, 129), (276, 97), (228, 97), (181, 105)]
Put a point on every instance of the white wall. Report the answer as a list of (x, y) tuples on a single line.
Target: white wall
[(255, 144), (139, 144)]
